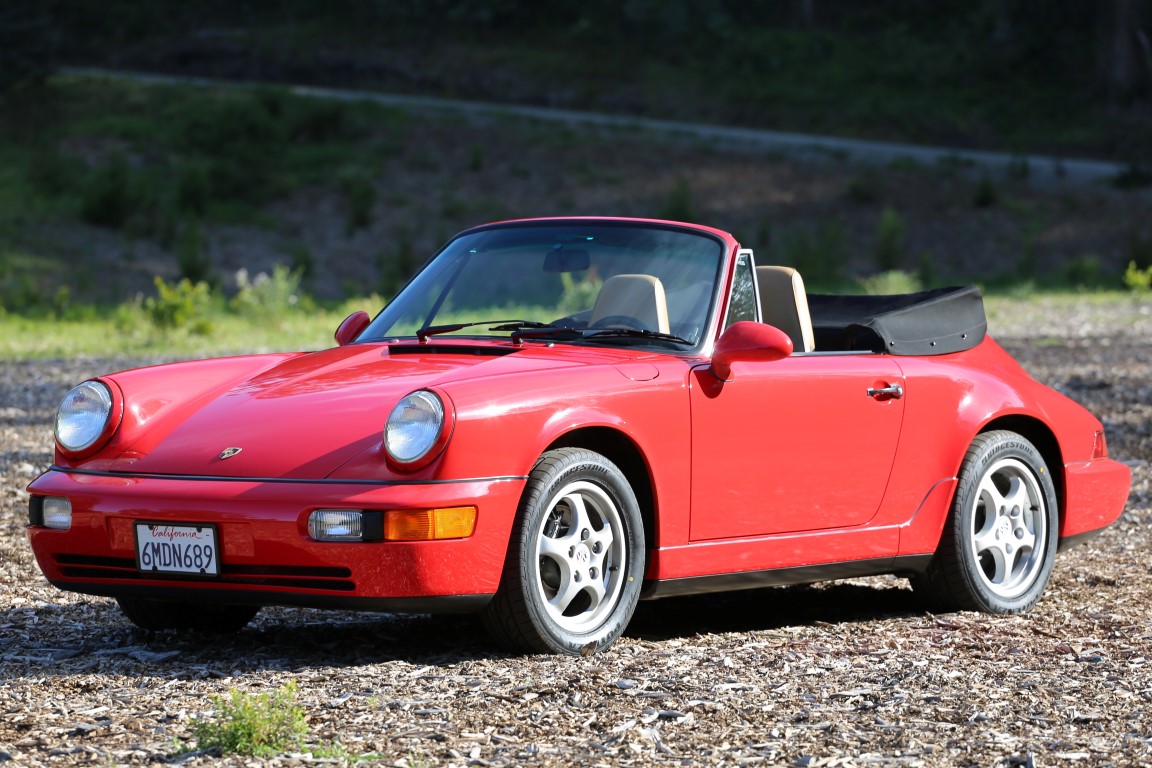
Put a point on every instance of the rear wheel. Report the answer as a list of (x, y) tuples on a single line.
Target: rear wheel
[(576, 560), (999, 543), (201, 617)]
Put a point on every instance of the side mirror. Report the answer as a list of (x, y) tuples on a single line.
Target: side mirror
[(351, 327), (747, 341)]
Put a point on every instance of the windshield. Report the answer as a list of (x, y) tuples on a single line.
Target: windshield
[(587, 282)]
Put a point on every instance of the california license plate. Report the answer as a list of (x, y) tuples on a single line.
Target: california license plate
[(177, 548)]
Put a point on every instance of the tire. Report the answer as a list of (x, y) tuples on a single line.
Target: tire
[(999, 543), (220, 619), (575, 563)]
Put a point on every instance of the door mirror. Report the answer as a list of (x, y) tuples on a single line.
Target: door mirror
[(747, 341), (351, 327)]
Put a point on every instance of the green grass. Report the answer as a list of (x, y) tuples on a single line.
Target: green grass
[(127, 333)]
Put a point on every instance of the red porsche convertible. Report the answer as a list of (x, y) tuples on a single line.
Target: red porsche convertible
[(557, 418)]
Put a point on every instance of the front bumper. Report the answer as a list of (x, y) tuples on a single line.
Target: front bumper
[(266, 556)]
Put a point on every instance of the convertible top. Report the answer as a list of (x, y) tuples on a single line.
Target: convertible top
[(934, 322)]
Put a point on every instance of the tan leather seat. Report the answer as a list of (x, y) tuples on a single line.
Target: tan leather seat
[(784, 304), (632, 296)]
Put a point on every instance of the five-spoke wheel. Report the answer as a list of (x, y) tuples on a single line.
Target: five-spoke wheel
[(999, 543), (576, 561)]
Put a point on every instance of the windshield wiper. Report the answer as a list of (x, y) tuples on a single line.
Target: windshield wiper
[(637, 333), (502, 325), (574, 334)]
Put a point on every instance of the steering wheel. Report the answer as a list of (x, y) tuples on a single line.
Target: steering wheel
[(620, 321)]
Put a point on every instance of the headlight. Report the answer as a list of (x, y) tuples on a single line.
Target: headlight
[(84, 416), (415, 430)]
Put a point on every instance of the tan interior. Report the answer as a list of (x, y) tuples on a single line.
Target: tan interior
[(784, 304), (632, 296)]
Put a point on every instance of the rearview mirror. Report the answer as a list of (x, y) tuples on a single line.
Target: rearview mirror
[(567, 260)]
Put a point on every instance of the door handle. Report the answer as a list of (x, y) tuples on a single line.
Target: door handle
[(886, 393)]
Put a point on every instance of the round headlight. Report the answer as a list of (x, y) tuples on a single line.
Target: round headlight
[(83, 416), (414, 427)]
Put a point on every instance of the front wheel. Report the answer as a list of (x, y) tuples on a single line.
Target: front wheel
[(200, 617), (999, 543), (576, 560)]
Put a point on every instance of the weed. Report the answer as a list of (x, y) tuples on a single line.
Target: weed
[(266, 297), (257, 725), (183, 305), (1137, 279)]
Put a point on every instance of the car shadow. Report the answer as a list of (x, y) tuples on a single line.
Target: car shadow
[(63, 639), (773, 608)]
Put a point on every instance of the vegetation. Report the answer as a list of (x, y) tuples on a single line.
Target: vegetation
[(257, 725), (988, 73)]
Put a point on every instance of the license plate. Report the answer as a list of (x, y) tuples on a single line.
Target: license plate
[(169, 548)]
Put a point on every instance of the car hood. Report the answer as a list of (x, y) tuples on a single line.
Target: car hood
[(305, 416)]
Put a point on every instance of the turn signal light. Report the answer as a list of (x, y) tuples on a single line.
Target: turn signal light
[(429, 524)]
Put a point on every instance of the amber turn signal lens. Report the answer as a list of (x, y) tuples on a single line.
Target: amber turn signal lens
[(429, 524)]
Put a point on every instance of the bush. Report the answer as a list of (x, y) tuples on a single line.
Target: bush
[(1139, 280), (183, 305), (257, 725), (266, 296)]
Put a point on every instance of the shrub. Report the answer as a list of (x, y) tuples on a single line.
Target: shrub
[(1139, 280), (183, 305), (257, 725), (266, 296)]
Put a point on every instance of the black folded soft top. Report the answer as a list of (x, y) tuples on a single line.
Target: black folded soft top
[(935, 322)]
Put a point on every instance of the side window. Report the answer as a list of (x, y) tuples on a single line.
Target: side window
[(742, 305)]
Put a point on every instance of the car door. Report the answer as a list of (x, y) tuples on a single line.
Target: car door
[(799, 444)]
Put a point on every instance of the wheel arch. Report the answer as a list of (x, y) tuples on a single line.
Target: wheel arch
[(1041, 436), (625, 454)]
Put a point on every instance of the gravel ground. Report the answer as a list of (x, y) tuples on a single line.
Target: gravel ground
[(843, 674)]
